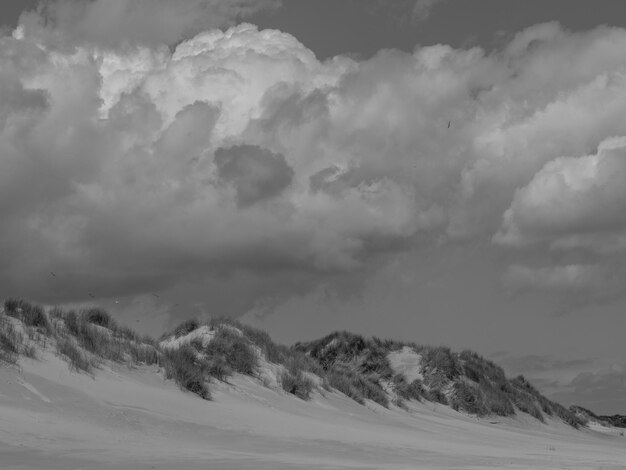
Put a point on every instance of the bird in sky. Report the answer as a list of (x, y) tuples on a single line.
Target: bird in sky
[(92, 296), (449, 124), (52, 274)]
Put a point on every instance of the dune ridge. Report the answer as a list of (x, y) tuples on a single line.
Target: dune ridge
[(80, 391)]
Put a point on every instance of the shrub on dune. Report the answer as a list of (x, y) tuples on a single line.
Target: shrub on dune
[(296, 383), (31, 315), (186, 327), (235, 349), (97, 316), (187, 370), (10, 341), (341, 382), (408, 391), (77, 360)]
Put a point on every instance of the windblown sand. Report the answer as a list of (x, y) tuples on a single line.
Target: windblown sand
[(51, 418)]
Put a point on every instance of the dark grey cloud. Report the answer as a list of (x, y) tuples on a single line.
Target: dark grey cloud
[(257, 174), (422, 9), (135, 184), (15, 100), (587, 382), (115, 22), (534, 363), (571, 286), (603, 392), (335, 180)]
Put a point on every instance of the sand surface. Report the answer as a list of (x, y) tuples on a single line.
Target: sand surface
[(121, 418)]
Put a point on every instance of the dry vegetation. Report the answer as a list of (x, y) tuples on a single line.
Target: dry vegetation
[(84, 338), (349, 363), (465, 381)]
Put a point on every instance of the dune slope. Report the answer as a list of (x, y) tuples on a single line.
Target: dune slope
[(122, 412), (132, 418)]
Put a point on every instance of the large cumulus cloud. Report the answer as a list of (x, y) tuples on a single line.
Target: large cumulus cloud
[(256, 173), (573, 201), (155, 22), (237, 151)]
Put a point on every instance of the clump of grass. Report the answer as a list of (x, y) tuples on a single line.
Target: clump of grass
[(72, 322), (218, 368), (296, 383), (523, 397), (11, 305), (440, 362), (187, 370), (129, 334), (77, 360), (96, 332), (357, 386), (527, 397), (297, 360), (335, 348), (186, 327), (496, 401), (469, 399), (142, 353), (341, 382), (10, 341), (234, 350), (31, 315), (477, 368), (408, 391), (353, 365), (97, 316), (568, 417), (100, 343), (273, 352), (436, 395)]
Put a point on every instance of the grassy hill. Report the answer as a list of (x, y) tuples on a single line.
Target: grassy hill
[(618, 421), (195, 355), (363, 368)]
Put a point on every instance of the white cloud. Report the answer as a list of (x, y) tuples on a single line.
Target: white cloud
[(116, 22), (109, 165), (422, 8), (572, 202), (571, 286), (570, 278)]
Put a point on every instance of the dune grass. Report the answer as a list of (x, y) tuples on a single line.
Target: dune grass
[(349, 363), (183, 366), (30, 315), (78, 361), (295, 381), (10, 341)]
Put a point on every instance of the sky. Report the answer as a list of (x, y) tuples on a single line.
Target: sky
[(438, 171)]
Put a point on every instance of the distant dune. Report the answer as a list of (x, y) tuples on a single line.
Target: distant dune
[(79, 391)]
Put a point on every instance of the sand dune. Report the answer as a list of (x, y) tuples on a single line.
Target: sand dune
[(123, 418)]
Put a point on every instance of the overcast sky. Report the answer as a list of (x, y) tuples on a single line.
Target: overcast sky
[(446, 172)]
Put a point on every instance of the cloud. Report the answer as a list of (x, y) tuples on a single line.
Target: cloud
[(587, 383), (555, 278), (114, 22), (256, 173), (237, 151), (602, 391), (594, 383), (422, 9), (573, 285), (405, 12), (572, 202), (535, 363)]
